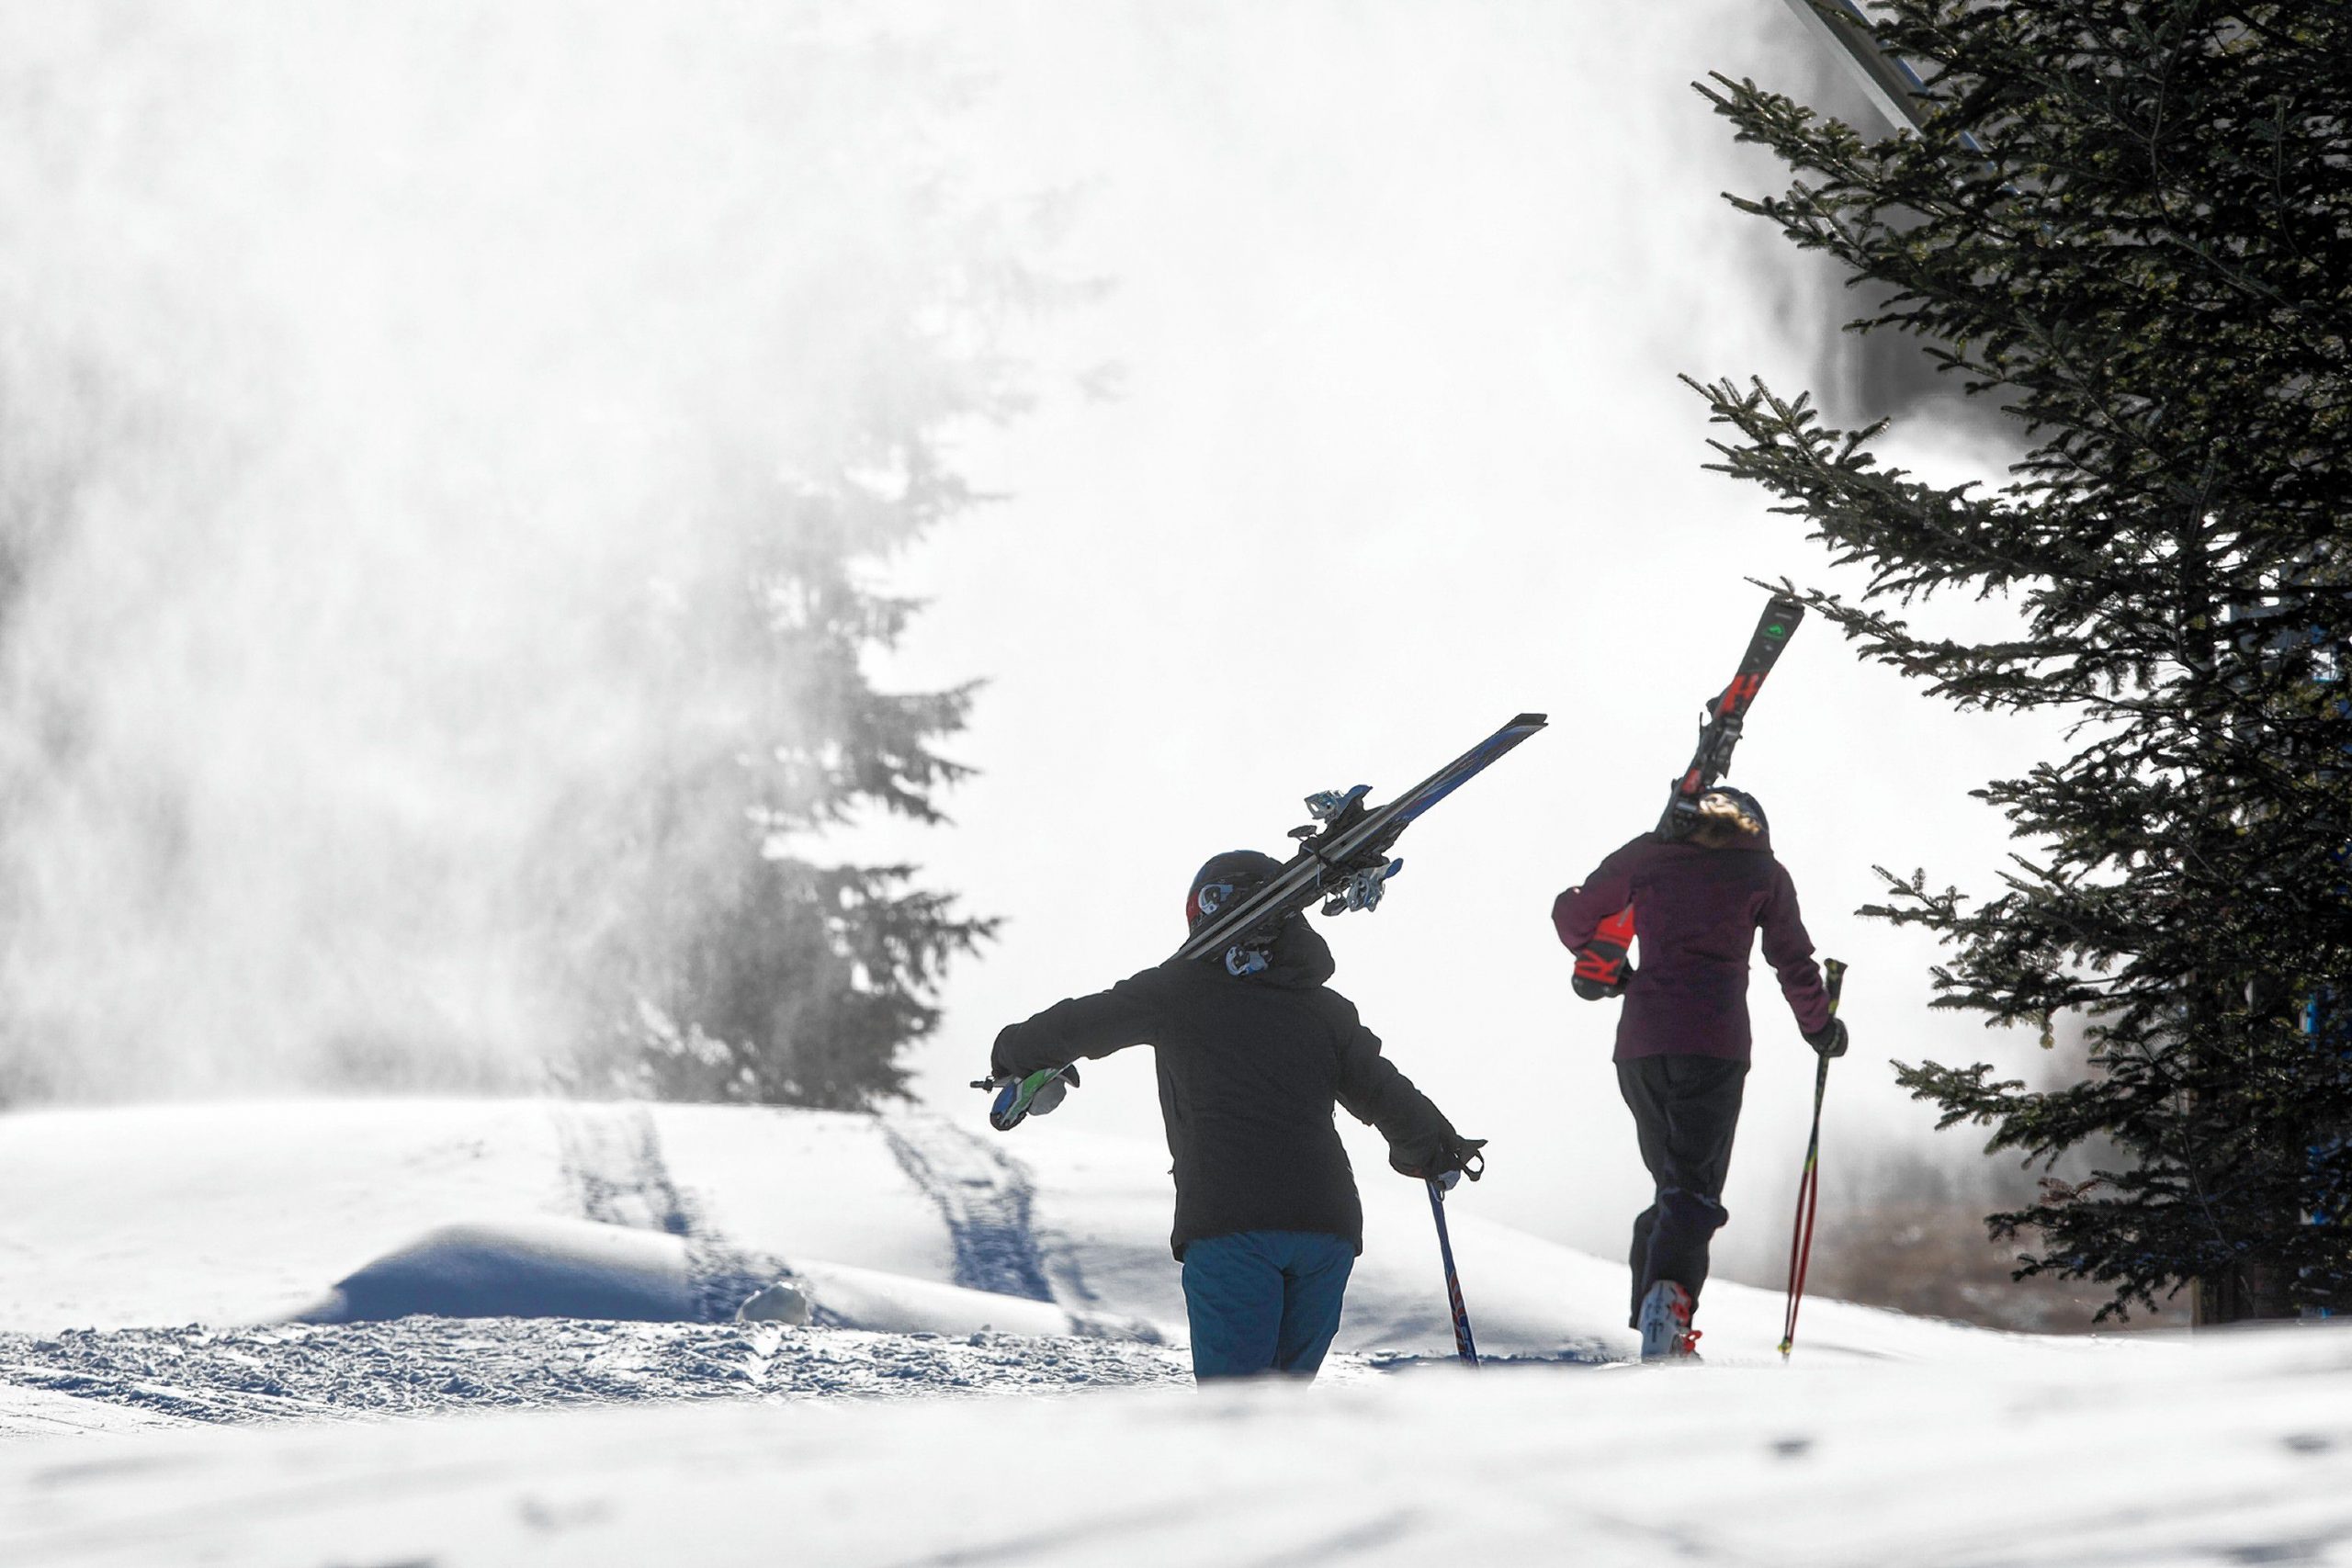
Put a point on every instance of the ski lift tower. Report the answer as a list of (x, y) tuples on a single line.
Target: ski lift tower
[(1892, 86)]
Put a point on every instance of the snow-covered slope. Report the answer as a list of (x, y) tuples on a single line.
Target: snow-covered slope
[(947, 1265), (1103, 1208), (241, 1213), (230, 1214), (227, 1213)]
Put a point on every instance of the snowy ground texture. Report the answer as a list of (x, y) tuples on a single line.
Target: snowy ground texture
[(419, 1366), (2239, 1453), (954, 1279)]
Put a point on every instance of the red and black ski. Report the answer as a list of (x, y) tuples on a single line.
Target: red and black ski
[(1600, 963)]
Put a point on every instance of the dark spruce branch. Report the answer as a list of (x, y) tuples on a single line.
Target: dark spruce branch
[(2146, 256)]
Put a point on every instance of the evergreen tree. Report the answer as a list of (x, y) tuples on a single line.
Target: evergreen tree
[(2129, 222), (744, 967), (440, 556), (728, 955)]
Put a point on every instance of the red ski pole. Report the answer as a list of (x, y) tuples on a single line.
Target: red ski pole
[(1809, 1184)]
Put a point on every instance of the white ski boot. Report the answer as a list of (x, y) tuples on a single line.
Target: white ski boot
[(1666, 1334)]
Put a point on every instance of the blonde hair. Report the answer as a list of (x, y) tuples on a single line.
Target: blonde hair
[(1724, 820)]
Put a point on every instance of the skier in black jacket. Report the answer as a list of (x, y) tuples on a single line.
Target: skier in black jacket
[(1253, 1051)]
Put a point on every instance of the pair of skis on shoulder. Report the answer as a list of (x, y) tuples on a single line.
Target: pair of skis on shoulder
[(1342, 863), (1601, 964)]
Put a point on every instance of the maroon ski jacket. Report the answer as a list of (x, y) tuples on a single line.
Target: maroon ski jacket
[(1696, 911)]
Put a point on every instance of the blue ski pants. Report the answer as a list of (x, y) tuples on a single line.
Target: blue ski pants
[(1264, 1300)]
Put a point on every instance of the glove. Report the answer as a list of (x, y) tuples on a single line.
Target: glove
[(1009, 1111), (1054, 1093), (1444, 1160), (1829, 1040), (1596, 959)]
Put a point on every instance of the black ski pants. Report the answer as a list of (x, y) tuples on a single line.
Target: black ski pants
[(1685, 1111)]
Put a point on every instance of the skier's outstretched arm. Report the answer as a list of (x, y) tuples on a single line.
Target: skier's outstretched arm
[(1421, 1139), (1129, 1013), (1789, 950), (1577, 913)]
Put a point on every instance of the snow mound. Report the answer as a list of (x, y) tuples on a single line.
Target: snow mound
[(580, 1269), (541, 1267)]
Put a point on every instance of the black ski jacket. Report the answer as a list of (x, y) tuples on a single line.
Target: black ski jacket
[(1250, 1068)]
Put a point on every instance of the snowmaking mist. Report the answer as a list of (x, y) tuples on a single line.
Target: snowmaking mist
[(390, 401), (396, 404)]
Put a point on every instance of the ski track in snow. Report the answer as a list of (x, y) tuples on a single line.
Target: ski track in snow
[(985, 1195), (611, 1161), (613, 1164), (424, 1366)]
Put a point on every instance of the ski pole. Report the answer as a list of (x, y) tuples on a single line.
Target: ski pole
[(1809, 1184), (1463, 1345)]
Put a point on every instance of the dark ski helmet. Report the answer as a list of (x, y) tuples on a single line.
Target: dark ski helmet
[(1215, 885), (1735, 809)]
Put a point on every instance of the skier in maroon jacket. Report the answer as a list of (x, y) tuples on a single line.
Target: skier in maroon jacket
[(1682, 1042)]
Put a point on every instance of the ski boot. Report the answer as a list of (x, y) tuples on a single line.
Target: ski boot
[(1666, 1334)]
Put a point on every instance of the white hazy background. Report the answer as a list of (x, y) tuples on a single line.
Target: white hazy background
[(1402, 293), (412, 336), (382, 386)]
